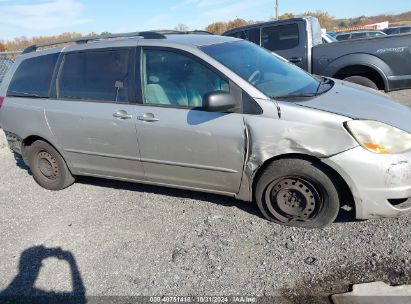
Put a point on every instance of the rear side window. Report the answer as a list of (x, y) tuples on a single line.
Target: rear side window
[(405, 30), (33, 77), (391, 31), (358, 35), (252, 35), (95, 76), (282, 37)]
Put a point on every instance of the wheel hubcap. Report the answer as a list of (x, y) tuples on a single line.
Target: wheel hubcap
[(290, 199), (47, 165)]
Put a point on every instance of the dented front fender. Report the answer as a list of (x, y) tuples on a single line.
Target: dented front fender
[(300, 130)]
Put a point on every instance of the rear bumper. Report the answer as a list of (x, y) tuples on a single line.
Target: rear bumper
[(381, 184), (14, 141)]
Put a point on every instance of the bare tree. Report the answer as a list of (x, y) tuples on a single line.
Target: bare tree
[(181, 27)]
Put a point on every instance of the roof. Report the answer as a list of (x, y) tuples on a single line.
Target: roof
[(199, 40)]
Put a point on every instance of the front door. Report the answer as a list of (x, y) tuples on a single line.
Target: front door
[(92, 118), (180, 144)]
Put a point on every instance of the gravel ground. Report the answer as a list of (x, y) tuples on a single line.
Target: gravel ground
[(127, 239)]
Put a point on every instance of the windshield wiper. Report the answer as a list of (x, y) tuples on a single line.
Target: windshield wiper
[(299, 95)]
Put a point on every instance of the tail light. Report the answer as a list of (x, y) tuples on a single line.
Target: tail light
[(1, 101)]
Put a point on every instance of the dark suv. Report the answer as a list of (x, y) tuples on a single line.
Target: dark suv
[(397, 30)]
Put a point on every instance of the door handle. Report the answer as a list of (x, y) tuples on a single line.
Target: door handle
[(148, 117), (121, 114), (296, 59)]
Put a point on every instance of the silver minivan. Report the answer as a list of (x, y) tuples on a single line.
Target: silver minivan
[(209, 113)]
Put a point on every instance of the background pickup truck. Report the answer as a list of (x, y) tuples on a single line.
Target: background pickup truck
[(381, 63)]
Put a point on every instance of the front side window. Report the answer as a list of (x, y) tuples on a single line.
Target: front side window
[(267, 72), (376, 34), (174, 79), (282, 37), (33, 77), (95, 75)]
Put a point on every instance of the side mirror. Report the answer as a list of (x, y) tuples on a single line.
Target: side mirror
[(219, 101)]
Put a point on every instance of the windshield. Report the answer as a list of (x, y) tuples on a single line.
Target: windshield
[(271, 74)]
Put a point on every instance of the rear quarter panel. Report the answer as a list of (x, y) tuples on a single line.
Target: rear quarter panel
[(24, 116)]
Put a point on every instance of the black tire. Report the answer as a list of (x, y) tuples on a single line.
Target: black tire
[(48, 167), (364, 81), (296, 192)]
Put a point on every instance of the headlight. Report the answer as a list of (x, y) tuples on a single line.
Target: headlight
[(379, 137)]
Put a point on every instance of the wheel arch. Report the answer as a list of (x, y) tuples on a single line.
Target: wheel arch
[(363, 70), (29, 140), (364, 62), (344, 191)]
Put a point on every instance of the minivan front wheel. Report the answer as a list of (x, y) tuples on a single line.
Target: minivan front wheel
[(48, 167), (297, 192)]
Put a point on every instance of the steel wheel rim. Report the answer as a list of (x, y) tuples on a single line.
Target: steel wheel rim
[(293, 199), (47, 165)]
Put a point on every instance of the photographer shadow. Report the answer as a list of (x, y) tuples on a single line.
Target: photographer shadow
[(22, 289)]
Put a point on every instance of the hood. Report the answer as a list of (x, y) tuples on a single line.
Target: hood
[(358, 102)]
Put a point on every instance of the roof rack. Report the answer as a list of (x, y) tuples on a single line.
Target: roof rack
[(80, 40), (146, 35), (174, 32)]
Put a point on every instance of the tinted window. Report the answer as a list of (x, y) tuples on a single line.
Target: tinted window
[(358, 35), (405, 30), (342, 37), (33, 77), (252, 35), (391, 31), (175, 79), (95, 75), (283, 37)]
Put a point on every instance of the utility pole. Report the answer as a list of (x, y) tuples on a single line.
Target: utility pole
[(276, 9)]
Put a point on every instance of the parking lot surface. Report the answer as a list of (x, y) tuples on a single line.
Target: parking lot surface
[(123, 239)]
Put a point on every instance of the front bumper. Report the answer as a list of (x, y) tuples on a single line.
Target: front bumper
[(381, 184)]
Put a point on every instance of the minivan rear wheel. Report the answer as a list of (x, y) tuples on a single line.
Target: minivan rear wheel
[(296, 192), (48, 167)]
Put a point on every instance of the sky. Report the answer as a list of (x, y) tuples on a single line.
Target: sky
[(50, 17)]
